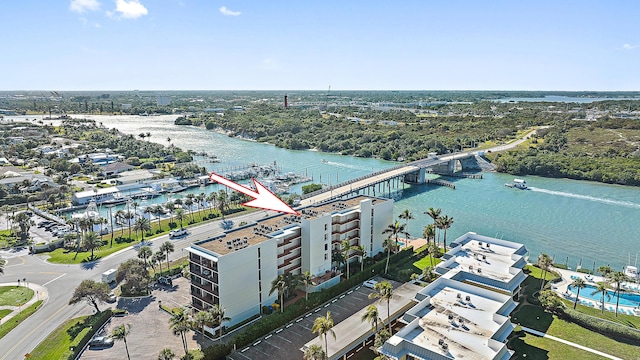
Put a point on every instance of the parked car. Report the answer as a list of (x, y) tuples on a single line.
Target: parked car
[(370, 283), (177, 232), (44, 223), (164, 280), (101, 342), (112, 298)]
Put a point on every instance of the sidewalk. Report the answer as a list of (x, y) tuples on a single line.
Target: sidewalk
[(541, 334), (39, 293)]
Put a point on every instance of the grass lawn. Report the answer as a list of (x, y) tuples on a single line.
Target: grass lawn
[(534, 316), (122, 240), (5, 312), (426, 261), (57, 345), (16, 320), (15, 295), (538, 348)]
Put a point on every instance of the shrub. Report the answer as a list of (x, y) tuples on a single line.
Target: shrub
[(607, 328)]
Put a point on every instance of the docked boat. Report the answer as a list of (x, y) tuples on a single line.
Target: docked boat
[(517, 183), (631, 272)]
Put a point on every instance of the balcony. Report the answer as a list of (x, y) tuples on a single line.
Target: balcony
[(345, 221), (289, 241), (288, 262), (290, 251), (208, 298), (206, 287)]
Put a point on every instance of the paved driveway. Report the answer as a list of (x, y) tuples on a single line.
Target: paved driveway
[(285, 343), (150, 330)]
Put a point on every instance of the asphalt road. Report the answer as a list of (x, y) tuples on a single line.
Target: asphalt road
[(61, 280)]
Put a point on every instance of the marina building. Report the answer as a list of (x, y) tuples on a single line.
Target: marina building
[(236, 268)]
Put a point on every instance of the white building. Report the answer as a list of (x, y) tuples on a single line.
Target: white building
[(486, 261), (454, 320), (236, 269)]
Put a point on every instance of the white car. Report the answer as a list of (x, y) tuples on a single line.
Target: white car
[(178, 232), (370, 283)]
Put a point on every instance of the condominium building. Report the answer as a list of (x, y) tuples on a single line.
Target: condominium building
[(236, 268)]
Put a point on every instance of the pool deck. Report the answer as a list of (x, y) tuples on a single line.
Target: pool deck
[(567, 278)]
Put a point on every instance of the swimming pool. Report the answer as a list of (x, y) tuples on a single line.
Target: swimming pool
[(626, 299)]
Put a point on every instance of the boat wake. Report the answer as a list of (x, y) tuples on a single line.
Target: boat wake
[(628, 204), (347, 166)]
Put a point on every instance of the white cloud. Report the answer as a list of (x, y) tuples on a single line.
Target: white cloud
[(130, 9), (82, 6), (629, 46), (226, 12)]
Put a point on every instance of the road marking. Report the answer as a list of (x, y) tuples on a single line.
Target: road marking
[(49, 282), (349, 292), (32, 331), (342, 296), (245, 349), (284, 339), (278, 331), (257, 342), (327, 305), (299, 320), (318, 309), (288, 326), (268, 336), (334, 300), (50, 272), (309, 314)]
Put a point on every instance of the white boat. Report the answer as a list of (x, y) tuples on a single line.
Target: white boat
[(631, 272), (517, 183)]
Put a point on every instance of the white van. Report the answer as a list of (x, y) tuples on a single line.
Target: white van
[(178, 232)]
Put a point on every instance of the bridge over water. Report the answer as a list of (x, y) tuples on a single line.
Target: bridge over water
[(413, 172)]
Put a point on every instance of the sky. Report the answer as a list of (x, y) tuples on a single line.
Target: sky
[(68, 45)]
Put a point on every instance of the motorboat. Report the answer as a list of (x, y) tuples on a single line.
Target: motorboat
[(518, 184), (631, 272)]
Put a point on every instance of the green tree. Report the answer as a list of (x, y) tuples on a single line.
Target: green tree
[(120, 333), (135, 275), (372, 316), (179, 324), (445, 223), (157, 212), (323, 325), (578, 283), (143, 225), (406, 215), (92, 242), (307, 280), (218, 316), (550, 300), (435, 215), (279, 284), (145, 253), (384, 291), (601, 288), (345, 249), (429, 233), (389, 245), (24, 223), (166, 354), (618, 278), (167, 248), (314, 352), (201, 319), (157, 257), (179, 212), (92, 292), (544, 263)]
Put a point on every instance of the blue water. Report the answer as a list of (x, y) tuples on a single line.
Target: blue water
[(563, 99), (626, 299), (572, 221)]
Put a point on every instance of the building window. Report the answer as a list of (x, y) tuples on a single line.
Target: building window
[(325, 237), (326, 256), (326, 247), (326, 227)]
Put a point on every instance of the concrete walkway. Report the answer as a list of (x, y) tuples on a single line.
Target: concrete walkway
[(541, 334), (39, 293)]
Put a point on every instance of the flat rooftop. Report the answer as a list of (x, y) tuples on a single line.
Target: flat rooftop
[(267, 228), (487, 257), (459, 315)]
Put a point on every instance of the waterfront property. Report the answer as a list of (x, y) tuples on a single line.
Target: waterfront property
[(486, 261), (454, 320), (465, 312), (236, 269)]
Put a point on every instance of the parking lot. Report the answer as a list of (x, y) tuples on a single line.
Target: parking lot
[(150, 330), (285, 343)]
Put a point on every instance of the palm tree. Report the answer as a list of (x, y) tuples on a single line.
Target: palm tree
[(601, 288), (157, 212), (406, 215), (384, 291), (429, 233), (363, 254), (135, 208), (544, 262), (323, 325), (200, 197), (390, 245), (279, 284), (606, 271), (167, 248), (578, 283), (211, 201), (170, 206), (395, 229), (120, 333), (143, 225), (618, 278), (445, 222), (189, 202), (120, 215), (345, 248), (144, 253), (222, 201), (372, 316), (180, 215), (157, 257), (314, 352), (92, 242), (179, 323), (217, 313), (435, 215), (307, 280), (202, 319), (166, 354)]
